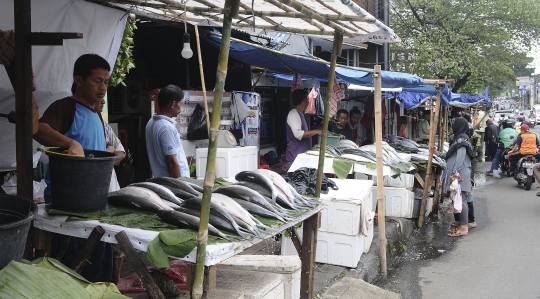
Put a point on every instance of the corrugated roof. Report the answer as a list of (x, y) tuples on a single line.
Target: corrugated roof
[(313, 18)]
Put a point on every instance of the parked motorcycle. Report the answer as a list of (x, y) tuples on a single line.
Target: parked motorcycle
[(504, 162), (524, 174)]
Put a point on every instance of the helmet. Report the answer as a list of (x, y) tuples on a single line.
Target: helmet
[(524, 128), (508, 123), (520, 118)]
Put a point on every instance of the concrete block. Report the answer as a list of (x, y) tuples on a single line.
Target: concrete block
[(287, 266), (254, 285), (349, 288)]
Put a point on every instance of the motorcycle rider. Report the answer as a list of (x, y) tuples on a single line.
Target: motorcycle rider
[(504, 140), (526, 144)]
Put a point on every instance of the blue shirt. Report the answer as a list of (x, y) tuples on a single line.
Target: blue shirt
[(162, 140), (86, 128)]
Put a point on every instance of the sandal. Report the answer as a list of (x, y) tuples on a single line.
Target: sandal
[(455, 224), (471, 225), (458, 233)]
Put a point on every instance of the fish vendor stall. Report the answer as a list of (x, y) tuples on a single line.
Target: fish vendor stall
[(161, 217)]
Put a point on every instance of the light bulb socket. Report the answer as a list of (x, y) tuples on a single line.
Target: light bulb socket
[(186, 37)]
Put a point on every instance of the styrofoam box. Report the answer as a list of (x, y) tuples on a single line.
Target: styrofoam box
[(254, 285), (404, 180), (288, 266), (398, 202), (334, 249), (229, 161), (342, 209)]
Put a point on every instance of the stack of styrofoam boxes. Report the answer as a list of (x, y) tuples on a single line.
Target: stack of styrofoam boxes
[(288, 267), (339, 239), (229, 161), (398, 202)]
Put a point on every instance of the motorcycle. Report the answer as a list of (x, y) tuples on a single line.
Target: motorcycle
[(524, 174), (504, 162)]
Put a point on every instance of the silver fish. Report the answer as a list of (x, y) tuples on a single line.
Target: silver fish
[(161, 191)]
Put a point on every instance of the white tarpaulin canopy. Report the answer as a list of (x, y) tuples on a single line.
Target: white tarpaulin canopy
[(312, 18), (102, 29)]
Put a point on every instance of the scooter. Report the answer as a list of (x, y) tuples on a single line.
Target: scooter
[(524, 174), (504, 162)]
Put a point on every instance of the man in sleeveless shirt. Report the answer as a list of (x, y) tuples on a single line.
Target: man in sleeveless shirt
[(74, 123), (298, 135)]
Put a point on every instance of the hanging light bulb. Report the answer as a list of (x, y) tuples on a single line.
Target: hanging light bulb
[(187, 53)]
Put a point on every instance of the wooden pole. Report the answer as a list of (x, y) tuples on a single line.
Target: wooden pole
[(230, 11), (203, 84), (380, 183), (440, 185), (23, 98), (429, 175), (336, 50), (307, 255)]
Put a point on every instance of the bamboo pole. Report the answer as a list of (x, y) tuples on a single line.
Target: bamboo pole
[(380, 183), (435, 209), (429, 171), (336, 50), (201, 71), (230, 10)]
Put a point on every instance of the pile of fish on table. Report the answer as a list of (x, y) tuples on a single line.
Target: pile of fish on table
[(261, 192), (419, 154)]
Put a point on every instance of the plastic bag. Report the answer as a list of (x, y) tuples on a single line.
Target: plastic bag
[(197, 124), (10, 186), (319, 103), (311, 106), (304, 180)]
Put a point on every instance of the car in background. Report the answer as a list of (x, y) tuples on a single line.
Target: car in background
[(536, 110), (501, 115)]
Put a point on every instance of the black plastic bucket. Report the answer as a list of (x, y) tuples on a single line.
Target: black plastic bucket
[(80, 184), (16, 214)]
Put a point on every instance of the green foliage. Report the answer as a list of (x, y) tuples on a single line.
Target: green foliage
[(124, 60), (476, 43)]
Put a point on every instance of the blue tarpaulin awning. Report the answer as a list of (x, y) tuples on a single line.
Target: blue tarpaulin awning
[(286, 64), (411, 98)]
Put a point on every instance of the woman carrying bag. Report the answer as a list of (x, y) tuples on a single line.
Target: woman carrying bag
[(458, 167)]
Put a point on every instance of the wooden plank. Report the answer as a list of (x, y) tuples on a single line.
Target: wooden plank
[(63, 249), (435, 208), (309, 246), (81, 260), (52, 38), (296, 240), (419, 179), (131, 255), (41, 242)]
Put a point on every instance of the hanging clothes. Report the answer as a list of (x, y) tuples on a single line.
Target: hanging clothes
[(319, 103), (311, 106), (337, 95), (297, 82)]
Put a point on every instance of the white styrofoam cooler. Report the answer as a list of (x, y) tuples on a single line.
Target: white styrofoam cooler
[(404, 180), (334, 249), (342, 211), (398, 202), (229, 161), (369, 238)]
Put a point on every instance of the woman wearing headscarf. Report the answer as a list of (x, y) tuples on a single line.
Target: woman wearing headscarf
[(458, 166)]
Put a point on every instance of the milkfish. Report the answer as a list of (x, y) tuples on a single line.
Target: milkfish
[(137, 197), (216, 221), (140, 192), (241, 192), (215, 209), (257, 210), (257, 178), (188, 221), (257, 188), (179, 184), (196, 187), (233, 208), (278, 181), (161, 191)]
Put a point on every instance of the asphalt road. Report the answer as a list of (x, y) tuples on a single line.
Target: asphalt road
[(498, 259)]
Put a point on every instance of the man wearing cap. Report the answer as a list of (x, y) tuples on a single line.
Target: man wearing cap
[(526, 144)]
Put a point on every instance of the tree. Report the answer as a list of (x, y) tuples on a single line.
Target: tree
[(477, 43)]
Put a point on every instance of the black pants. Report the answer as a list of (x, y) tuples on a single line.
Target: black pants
[(491, 150), (471, 212)]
